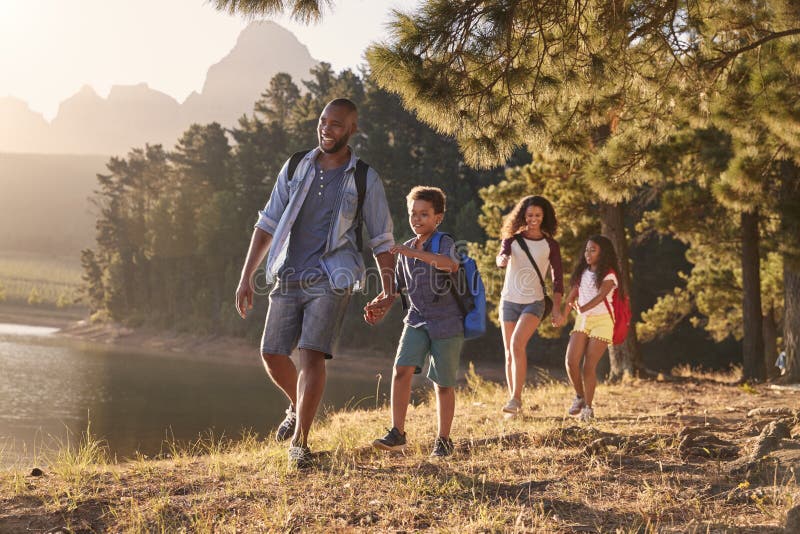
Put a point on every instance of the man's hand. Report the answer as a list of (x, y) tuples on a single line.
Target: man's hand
[(377, 308), (244, 296)]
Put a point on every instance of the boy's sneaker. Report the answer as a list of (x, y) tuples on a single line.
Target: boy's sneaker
[(577, 405), (513, 406), (392, 441), (300, 457), (442, 447), (286, 428), (587, 414)]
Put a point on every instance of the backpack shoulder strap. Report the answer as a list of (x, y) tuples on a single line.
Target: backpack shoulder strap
[(524, 246), (294, 161), (452, 278), (616, 294), (436, 242), (361, 187)]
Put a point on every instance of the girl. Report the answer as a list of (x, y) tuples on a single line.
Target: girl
[(593, 284), (527, 237)]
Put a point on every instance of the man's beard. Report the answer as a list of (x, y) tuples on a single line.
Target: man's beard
[(341, 143)]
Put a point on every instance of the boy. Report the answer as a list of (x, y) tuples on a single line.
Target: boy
[(434, 323)]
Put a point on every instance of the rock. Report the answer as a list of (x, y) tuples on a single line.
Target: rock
[(770, 438), (698, 442), (756, 412), (793, 520)]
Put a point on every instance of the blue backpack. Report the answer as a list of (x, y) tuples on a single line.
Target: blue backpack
[(466, 285)]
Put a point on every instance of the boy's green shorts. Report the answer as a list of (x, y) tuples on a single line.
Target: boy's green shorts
[(415, 346)]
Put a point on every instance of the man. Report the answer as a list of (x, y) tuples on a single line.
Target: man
[(308, 228)]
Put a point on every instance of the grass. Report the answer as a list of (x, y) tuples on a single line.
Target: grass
[(40, 280), (540, 472)]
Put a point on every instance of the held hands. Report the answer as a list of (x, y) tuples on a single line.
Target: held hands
[(376, 309), (244, 297), (404, 250), (558, 318), (502, 260)]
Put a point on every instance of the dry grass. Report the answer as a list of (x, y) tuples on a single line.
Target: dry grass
[(662, 457)]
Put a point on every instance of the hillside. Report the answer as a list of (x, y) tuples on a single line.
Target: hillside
[(683, 456), (44, 207)]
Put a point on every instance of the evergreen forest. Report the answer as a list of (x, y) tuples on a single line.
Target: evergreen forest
[(671, 127)]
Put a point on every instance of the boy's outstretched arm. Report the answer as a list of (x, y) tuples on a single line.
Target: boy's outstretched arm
[(443, 262)]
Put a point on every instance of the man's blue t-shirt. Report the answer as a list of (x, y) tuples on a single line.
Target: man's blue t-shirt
[(310, 230)]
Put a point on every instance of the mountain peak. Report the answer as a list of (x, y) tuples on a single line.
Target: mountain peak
[(135, 114), (87, 90)]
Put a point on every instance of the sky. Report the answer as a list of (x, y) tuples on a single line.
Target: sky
[(49, 49)]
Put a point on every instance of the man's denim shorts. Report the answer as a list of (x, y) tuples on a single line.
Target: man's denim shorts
[(415, 346), (511, 311), (306, 316)]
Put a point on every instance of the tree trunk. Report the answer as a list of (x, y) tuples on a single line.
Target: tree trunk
[(791, 320), (753, 343), (770, 343), (625, 359)]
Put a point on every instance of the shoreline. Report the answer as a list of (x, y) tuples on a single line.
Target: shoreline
[(74, 326), (238, 351)]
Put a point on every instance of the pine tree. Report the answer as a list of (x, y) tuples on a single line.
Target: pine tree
[(575, 80), (750, 56)]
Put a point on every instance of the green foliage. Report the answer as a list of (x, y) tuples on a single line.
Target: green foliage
[(34, 297), (578, 81), (173, 226), (301, 10), (557, 181)]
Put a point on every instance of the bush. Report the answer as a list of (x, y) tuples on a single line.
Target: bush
[(34, 297)]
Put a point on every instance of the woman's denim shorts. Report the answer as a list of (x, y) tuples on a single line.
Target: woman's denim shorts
[(511, 311)]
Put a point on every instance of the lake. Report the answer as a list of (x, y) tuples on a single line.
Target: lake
[(51, 388)]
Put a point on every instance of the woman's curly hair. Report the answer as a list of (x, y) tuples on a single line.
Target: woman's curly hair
[(515, 220), (605, 263)]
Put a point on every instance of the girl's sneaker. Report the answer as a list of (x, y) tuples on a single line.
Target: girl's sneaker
[(587, 414), (513, 406), (577, 405)]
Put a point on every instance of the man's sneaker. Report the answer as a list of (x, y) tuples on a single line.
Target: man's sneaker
[(442, 447), (392, 441), (587, 414), (286, 428), (577, 405), (300, 457), (513, 406)]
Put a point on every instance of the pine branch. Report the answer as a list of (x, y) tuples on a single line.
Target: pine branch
[(305, 11), (730, 55)]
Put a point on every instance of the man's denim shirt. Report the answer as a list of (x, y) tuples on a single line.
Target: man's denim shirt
[(341, 260)]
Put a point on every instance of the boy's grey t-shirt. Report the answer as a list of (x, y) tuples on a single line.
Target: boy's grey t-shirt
[(310, 230), (430, 302)]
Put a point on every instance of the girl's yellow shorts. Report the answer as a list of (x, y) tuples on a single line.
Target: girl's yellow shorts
[(599, 327)]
